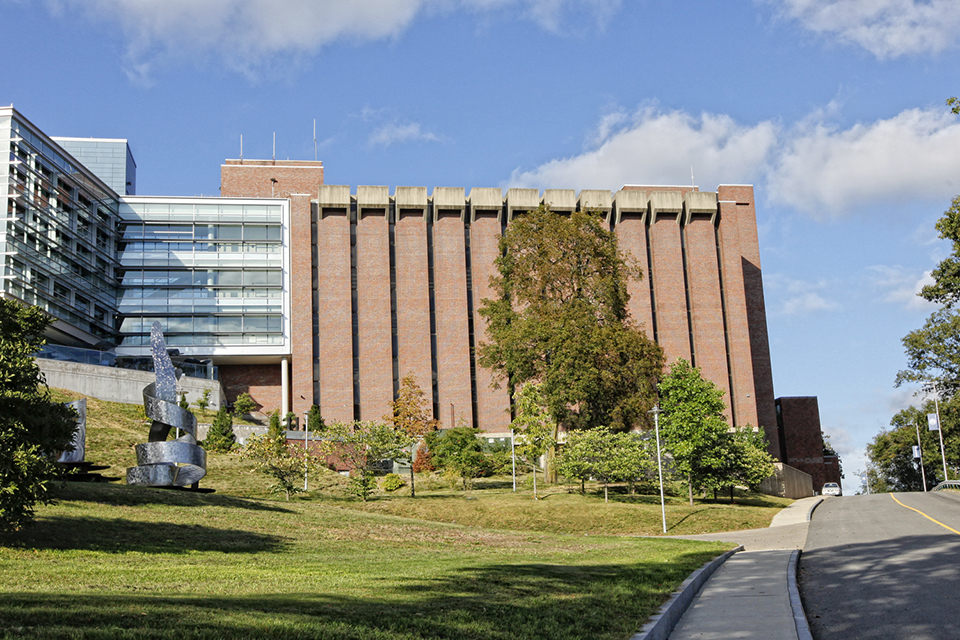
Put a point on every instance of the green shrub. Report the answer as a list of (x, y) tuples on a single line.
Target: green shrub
[(244, 404), (391, 482)]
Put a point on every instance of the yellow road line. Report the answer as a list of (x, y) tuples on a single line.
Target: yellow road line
[(924, 515)]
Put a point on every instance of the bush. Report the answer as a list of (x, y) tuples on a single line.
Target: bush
[(220, 437), (423, 460), (391, 482), (244, 404)]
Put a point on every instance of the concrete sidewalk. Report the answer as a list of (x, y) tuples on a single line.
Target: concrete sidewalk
[(753, 594)]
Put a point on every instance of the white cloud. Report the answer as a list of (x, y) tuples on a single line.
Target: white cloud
[(658, 147), (814, 167), (246, 32), (791, 297), (900, 287), (825, 171), (885, 28), (391, 133)]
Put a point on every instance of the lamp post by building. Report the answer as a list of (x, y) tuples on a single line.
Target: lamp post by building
[(656, 427), (306, 447)]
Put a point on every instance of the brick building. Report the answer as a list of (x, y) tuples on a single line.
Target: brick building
[(304, 293), (385, 285)]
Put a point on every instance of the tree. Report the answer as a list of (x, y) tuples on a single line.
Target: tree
[(203, 402), (410, 416), (220, 436), (244, 404), (694, 427), (458, 452), (560, 318), (954, 105), (314, 420), (748, 462), (33, 428), (892, 465), (533, 426), (361, 445), (275, 459), (276, 433)]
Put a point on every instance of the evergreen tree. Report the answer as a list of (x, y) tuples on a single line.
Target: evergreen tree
[(220, 436)]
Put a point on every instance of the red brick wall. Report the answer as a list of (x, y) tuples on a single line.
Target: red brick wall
[(632, 239), (493, 405), (756, 310), (413, 298), (261, 381), (335, 336), (269, 178), (453, 334), (738, 329), (668, 288), (803, 438), (707, 310), (301, 304), (373, 314)]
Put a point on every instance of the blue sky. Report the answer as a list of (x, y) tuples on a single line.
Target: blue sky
[(833, 109)]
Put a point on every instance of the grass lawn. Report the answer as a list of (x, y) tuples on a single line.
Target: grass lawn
[(112, 561), (128, 562)]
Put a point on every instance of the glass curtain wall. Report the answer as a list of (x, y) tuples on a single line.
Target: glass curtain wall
[(211, 271)]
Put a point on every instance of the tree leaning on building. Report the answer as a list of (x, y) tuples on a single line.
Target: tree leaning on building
[(560, 318)]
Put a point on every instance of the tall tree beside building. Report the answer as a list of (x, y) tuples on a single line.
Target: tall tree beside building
[(560, 318), (33, 428)]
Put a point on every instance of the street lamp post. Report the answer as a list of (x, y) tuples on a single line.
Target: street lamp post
[(306, 447), (656, 426)]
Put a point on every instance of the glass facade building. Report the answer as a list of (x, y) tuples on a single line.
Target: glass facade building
[(59, 234), (213, 271), (110, 159)]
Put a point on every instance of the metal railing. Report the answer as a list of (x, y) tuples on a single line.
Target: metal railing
[(948, 484)]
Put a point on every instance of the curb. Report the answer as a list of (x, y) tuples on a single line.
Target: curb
[(799, 618), (813, 508), (660, 625)]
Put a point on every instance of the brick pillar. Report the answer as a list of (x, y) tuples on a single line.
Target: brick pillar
[(669, 289), (413, 286), (335, 333), (450, 295), (755, 308), (301, 302), (630, 211), (738, 328), (486, 209), (373, 306), (703, 274)]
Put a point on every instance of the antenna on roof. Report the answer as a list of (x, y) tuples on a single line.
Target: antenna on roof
[(274, 146), (314, 139), (693, 182), (241, 147)]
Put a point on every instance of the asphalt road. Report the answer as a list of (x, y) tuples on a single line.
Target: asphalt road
[(872, 568)]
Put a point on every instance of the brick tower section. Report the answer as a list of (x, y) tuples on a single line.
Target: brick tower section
[(297, 180), (746, 216), (334, 295), (373, 302), (450, 296), (803, 440), (493, 405), (703, 274), (738, 327), (413, 287), (630, 211), (669, 286)]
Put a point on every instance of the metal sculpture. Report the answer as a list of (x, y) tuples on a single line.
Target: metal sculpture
[(162, 463)]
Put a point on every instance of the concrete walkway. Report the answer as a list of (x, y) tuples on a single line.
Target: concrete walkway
[(753, 594)]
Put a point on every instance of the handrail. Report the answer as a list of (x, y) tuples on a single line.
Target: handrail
[(947, 484)]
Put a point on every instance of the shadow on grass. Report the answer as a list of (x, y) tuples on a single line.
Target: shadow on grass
[(125, 495), (117, 535), (681, 520), (494, 602)]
